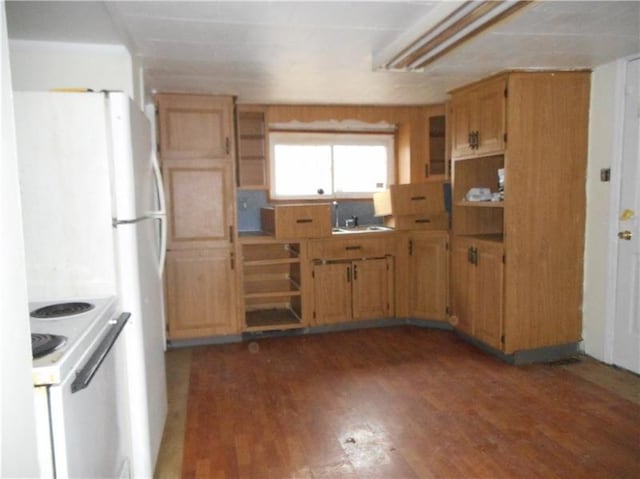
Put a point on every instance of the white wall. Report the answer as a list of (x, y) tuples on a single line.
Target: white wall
[(18, 455), (601, 149), (44, 65)]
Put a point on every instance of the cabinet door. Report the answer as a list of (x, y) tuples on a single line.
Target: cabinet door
[(332, 293), (462, 286), (199, 203), (371, 295), (491, 110), (489, 295), (428, 276), (462, 124), (195, 126), (201, 293)]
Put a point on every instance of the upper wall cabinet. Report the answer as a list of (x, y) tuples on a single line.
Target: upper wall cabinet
[(195, 126), (252, 147), (422, 146), (478, 119)]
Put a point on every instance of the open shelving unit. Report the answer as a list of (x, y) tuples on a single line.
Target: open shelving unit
[(252, 148), (480, 219), (272, 281)]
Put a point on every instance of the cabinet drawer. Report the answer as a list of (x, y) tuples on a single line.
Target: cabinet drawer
[(438, 221), (350, 248), (413, 199), (297, 221)]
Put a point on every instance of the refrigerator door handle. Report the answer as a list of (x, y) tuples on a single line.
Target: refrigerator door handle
[(161, 214)]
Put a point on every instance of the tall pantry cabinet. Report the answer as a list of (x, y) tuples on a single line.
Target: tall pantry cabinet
[(196, 148), (516, 264)]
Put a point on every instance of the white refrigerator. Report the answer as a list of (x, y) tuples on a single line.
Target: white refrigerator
[(94, 221)]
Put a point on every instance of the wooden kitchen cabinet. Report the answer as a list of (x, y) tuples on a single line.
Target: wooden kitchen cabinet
[(201, 293), (332, 293), (422, 146), (478, 116), (195, 126), (352, 290), (197, 155), (272, 283), (253, 148), (538, 230), (297, 220), (200, 205), (477, 289), (371, 288), (353, 277), (428, 281)]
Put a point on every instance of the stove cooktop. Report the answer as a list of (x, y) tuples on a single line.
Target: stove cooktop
[(43, 344), (81, 329), (58, 310)]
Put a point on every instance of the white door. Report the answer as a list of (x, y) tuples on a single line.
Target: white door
[(626, 333)]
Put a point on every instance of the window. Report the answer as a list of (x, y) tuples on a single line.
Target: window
[(308, 165)]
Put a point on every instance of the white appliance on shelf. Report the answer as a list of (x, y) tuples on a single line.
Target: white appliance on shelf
[(94, 226)]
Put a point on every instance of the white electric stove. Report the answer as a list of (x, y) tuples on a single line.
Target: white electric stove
[(78, 322), (80, 426)]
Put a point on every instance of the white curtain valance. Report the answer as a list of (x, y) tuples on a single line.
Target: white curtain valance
[(335, 125)]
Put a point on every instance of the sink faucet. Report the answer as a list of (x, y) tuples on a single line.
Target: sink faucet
[(335, 207)]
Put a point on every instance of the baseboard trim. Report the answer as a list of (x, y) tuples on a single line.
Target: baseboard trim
[(545, 354), (539, 355)]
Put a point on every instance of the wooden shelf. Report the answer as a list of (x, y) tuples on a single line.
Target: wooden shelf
[(265, 262), (490, 238), (271, 289), (272, 284), (481, 204), (269, 319)]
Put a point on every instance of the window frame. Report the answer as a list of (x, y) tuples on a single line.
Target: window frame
[(385, 138)]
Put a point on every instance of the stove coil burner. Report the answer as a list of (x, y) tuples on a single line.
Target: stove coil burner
[(61, 309), (43, 344)]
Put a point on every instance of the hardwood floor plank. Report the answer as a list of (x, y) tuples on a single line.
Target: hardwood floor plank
[(399, 402)]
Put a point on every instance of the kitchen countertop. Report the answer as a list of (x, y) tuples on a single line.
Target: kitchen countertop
[(258, 236)]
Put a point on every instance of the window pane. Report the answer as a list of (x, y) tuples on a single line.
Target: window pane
[(359, 168), (300, 170)]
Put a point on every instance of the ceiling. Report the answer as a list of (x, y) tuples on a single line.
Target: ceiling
[(327, 52)]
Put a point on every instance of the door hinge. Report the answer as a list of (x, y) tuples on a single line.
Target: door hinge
[(504, 259), (446, 246), (506, 92), (505, 137), (314, 315), (410, 247), (502, 339), (227, 145), (313, 274)]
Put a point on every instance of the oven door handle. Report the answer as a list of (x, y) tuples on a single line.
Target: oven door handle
[(85, 375)]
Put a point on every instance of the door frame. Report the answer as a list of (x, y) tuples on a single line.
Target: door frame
[(614, 203)]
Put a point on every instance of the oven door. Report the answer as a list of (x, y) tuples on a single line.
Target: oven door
[(87, 422)]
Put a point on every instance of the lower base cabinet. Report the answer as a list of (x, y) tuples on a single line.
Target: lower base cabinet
[(428, 275), (477, 289), (352, 290), (200, 294)]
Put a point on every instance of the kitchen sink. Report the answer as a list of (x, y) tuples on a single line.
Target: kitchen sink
[(361, 229)]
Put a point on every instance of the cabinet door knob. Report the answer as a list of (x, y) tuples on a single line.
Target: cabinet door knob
[(625, 235)]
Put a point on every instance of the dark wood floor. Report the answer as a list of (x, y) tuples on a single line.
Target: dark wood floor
[(397, 403)]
